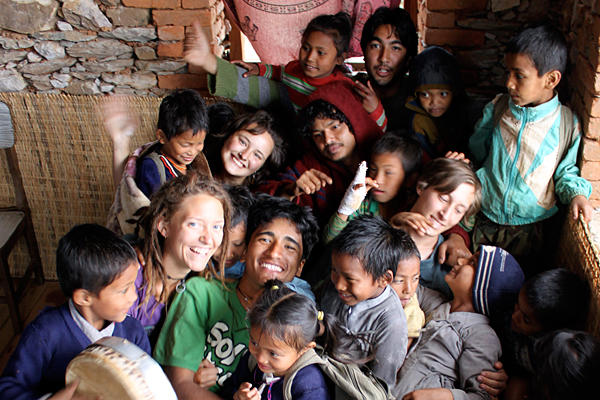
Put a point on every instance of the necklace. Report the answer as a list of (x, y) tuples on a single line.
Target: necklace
[(247, 299), (180, 288)]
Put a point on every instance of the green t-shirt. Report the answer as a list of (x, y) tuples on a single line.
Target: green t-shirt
[(205, 321)]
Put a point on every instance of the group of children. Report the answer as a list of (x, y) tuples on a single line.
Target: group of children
[(216, 281)]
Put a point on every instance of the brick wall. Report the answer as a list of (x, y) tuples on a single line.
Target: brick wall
[(103, 46), (580, 20), (476, 31)]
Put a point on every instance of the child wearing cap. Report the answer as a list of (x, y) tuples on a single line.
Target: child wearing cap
[(458, 342), (437, 107)]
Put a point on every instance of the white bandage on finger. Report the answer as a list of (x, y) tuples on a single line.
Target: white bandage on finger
[(354, 196)]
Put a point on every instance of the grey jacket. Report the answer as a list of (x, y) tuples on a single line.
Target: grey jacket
[(381, 321), (451, 352)]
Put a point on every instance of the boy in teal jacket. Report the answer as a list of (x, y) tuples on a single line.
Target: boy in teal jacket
[(528, 155)]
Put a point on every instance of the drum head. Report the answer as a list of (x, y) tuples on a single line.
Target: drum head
[(115, 368)]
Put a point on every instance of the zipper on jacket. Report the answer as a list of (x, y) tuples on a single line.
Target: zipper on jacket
[(513, 170)]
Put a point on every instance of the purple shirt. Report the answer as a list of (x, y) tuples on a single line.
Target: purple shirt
[(149, 314)]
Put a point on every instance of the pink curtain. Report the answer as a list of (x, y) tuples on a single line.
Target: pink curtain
[(275, 27)]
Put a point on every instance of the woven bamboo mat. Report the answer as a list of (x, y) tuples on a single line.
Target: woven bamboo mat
[(578, 252), (65, 156)]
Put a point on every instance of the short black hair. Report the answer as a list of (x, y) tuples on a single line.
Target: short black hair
[(408, 150), (567, 365), (544, 45), (559, 299), (268, 208), (375, 243), (219, 114), (182, 110), (337, 26), (90, 257), (241, 199), (319, 109), (402, 25)]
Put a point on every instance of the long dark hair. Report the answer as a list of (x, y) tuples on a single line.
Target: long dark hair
[(293, 319)]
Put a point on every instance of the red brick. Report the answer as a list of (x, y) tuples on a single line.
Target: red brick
[(194, 69), (182, 81), (138, 3), (197, 3), (182, 17), (591, 127), (171, 32), (588, 75), (595, 197), (174, 50), (595, 107), (590, 170), (440, 5), (439, 20), (591, 150), (454, 37), (151, 3)]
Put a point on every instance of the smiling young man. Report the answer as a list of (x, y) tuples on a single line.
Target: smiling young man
[(205, 333), (389, 42), (338, 134)]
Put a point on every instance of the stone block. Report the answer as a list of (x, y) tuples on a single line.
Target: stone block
[(127, 16), (137, 3), (47, 67), (171, 32), (173, 50), (183, 17), (131, 34), (108, 66), (15, 44), (85, 14), (145, 53), (28, 16), (11, 81), (453, 37), (71, 36), (49, 50), (160, 66), (137, 80), (182, 81), (82, 87), (100, 48), (442, 5), (7, 56)]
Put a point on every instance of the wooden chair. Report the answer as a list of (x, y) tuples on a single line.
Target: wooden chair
[(15, 222)]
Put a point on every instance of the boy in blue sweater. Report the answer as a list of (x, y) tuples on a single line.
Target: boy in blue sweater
[(527, 144), (96, 271)]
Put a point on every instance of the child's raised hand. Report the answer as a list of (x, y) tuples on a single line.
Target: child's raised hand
[(356, 192), (206, 374), (455, 155), (580, 204), (311, 181), (367, 93), (252, 68), (197, 51), (419, 223), (246, 392), (119, 121)]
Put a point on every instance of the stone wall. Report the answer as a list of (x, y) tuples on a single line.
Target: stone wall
[(102, 46)]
